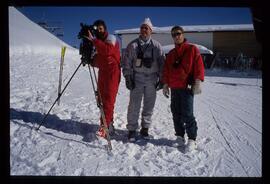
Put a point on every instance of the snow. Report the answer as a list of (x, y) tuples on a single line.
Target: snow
[(193, 28), (229, 115)]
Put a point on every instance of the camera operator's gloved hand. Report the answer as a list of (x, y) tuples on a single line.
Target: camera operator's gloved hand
[(159, 85), (130, 84), (166, 91), (196, 87)]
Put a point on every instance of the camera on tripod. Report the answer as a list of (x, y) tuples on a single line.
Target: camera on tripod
[(86, 46)]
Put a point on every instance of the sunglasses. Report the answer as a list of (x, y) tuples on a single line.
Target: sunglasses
[(176, 34), (144, 27)]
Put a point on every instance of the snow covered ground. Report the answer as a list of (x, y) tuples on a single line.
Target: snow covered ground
[(229, 114)]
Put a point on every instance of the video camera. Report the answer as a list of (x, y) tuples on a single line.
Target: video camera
[(86, 46)]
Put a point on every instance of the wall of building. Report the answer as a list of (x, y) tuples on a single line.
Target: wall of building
[(163, 38), (232, 43), (205, 39), (228, 43)]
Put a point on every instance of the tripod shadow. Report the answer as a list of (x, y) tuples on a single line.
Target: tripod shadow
[(54, 122), (78, 128)]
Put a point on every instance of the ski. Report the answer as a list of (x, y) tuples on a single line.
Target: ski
[(63, 50)]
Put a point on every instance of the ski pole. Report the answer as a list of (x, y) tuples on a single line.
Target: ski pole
[(100, 105), (61, 71), (59, 95)]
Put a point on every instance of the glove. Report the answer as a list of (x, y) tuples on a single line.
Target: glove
[(130, 84), (196, 87), (166, 90), (159, 85)]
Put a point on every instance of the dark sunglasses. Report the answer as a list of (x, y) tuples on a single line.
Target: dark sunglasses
[(176, 34), (144, 27)]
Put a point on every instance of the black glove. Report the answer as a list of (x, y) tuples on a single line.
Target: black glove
[(130, 84), (159, 85)]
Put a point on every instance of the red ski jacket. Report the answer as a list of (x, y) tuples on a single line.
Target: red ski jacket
[(190, 64), (107, 60)]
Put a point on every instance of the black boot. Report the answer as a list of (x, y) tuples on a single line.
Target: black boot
[(144, 132), (132, 136)]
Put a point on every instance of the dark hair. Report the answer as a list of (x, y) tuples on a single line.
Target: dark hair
[(100, 23), (175, 28)]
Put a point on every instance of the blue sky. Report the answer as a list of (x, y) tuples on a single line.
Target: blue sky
[(130, 17)]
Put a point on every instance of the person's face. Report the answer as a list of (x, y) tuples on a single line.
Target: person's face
[(178, 36), (100, 29), (145, 31), (100, 32)]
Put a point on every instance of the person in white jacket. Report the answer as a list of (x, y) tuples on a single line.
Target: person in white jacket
[(142, 68)]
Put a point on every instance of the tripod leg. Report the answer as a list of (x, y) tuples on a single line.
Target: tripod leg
[(58, 97), (99, 102)]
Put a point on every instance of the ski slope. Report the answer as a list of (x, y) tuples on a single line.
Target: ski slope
[(229, 115)]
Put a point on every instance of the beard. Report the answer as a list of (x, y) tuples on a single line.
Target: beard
[(100, 36)]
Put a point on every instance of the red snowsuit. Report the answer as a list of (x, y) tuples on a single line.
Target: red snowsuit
[(188, 55), (107, 60)]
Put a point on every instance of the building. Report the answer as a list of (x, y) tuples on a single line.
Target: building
[(227, 40)]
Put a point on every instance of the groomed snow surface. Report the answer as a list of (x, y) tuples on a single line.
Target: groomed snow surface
[(229, 115)]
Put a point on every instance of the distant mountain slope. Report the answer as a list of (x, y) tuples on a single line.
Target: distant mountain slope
[(25, 35)]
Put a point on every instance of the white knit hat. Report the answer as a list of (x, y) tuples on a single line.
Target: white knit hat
[(148, 22)]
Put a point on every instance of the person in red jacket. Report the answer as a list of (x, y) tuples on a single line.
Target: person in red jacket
[(183, 72), (107, 59)]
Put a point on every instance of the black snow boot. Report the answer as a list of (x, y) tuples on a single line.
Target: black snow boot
[(132, 136), (144, 132)]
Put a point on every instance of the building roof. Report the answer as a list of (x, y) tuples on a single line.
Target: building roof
[(202, 49), (193, 28)]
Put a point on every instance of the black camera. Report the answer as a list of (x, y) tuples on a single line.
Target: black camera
[(176, 63), (86, 46), (147, 62), (84, 30)]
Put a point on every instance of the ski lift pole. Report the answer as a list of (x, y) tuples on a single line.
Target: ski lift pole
[(59, 95), (100, 105)]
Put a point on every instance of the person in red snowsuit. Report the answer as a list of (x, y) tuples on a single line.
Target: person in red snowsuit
[(183, 72), (107, 60)]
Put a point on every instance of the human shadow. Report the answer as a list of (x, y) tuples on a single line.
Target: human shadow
[(81, 128), (53, 122), (155, 141), (68, 126)]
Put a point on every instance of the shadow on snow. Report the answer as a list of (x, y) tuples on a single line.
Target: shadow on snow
[(76, 127)]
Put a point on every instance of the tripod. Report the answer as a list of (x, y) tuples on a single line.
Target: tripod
[(98, 101)]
